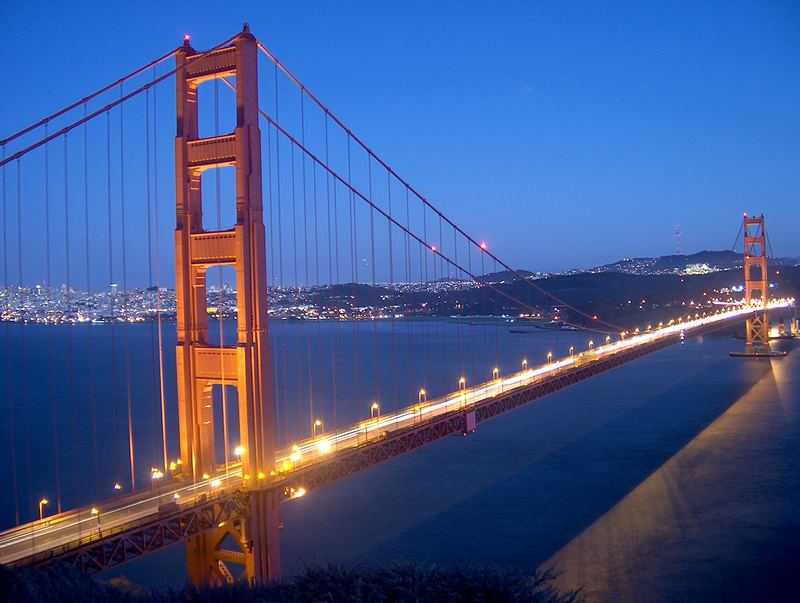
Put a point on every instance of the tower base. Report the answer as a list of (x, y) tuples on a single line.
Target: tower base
[(758, 352)]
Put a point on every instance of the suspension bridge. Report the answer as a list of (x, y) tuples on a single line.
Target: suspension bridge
[(275, 200)]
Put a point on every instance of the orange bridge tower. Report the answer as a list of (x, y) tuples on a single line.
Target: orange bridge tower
[(755, 281), (251, 540)]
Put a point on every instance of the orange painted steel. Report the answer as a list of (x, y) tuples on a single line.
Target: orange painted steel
[(755, 280), (200, 364)]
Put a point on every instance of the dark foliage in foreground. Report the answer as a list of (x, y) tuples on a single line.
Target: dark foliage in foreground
[(403, 582)]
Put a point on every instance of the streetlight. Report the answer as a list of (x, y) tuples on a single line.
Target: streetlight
[(524, 364), (591, 344), (239, 452), (608, 339), (96, 513), (155, 475), (462, 383), (495, 373), (549, 356), (422, 396), (42, 503), (314, 426), (571, 350), (117, 488), (375, 408)]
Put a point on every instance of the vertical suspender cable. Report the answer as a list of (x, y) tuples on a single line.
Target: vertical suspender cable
[(335, 333), (12, 436), (296, 282), (316, 264), (484, 289), (374, 296), (459, 314), (125, 289), (220, 297), (22, 353), (50, 326), (409, 335), (393, 377), (271, 286), (90, 336), (68, 304), (443, 324), (283, 340), (307, 336), (113, 294), (151, 324), (423, 256), (158, 277), (354, 266), (472, 311)]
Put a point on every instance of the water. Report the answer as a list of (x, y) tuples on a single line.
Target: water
[(71, 388), (672, 478)]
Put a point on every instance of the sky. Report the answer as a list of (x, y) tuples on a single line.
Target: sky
[(565, 134)]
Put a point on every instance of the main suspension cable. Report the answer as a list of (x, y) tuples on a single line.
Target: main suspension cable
[(113, 104), (350, 133), (92, 96), (355, 192)]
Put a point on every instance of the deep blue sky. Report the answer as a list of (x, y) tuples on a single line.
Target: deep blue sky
[(564, 134)]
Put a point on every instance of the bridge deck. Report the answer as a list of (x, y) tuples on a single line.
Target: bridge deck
[(138, 523)]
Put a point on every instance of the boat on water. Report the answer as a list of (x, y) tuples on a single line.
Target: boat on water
[(556, 325)]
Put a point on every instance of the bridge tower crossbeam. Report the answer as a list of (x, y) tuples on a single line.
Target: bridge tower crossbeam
[(200, 364)]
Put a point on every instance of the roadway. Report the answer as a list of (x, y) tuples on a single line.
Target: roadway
[(95, 522)]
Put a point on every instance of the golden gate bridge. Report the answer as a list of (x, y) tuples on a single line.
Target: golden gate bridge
[(341, 224)]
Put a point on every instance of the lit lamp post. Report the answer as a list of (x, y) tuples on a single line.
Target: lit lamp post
[(239, 452), (314, 426), (96, 513), (462, 386), (155, 475), (495, 373), (591, 345), (422, 396), (549, 357), (608, 339), (42, 503), (525, 364), (375, 409), (117, 488), (571, 350)]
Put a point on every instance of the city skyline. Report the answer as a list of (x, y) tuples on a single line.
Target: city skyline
[(545, 253)]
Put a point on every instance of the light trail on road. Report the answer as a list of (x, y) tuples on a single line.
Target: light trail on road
[(95, 522)]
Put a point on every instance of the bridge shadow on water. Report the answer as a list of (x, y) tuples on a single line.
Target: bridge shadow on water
[(568, 481), (672, 478)]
